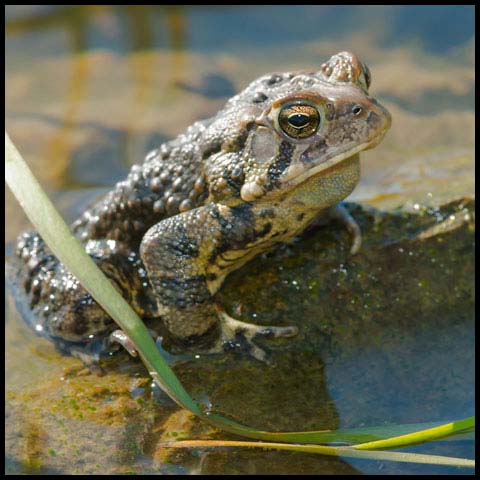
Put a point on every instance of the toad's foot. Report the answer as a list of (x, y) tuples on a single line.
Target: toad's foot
[(120, 337), (90, 360), (237, 334), (339, 212)]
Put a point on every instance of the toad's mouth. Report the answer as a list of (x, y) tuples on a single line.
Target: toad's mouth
[(298, 172)]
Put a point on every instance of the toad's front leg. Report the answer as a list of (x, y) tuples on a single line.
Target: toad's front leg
[(187, 257)]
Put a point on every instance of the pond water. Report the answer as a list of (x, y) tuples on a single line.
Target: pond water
[(91, 89)]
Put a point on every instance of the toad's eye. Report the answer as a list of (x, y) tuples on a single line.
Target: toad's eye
[(299, 120)]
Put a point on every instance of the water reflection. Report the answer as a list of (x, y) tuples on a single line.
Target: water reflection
[(135, 24)]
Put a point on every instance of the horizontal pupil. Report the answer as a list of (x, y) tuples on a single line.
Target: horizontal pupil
[(298, 120)]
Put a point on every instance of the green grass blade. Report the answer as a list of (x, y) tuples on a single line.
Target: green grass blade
[(394, 435), (347, 452), (358, 435), (422, 436)]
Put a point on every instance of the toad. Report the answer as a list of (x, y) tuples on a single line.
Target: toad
[(279, 154)]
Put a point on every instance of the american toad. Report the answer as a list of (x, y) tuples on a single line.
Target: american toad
[(202, 205)]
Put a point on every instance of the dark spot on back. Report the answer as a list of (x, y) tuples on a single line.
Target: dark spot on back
[(234, 179), (212, 149), (275, 78), (266, 229), (259, 97), (267, 212)]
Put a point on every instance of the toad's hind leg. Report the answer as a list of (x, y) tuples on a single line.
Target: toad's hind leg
[(181, 255)]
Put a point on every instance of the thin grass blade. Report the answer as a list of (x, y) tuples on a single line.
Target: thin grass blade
[(427, 435), (347, 452)]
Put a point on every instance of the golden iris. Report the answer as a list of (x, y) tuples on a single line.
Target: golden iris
[(299, 120)]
